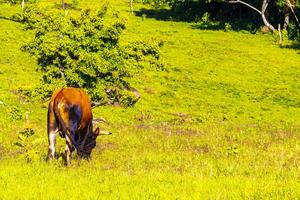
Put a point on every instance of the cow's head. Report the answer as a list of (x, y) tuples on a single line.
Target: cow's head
[(89, 143)]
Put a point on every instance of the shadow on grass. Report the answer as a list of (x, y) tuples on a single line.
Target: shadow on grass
[(295, 46), (214, 26), (165, 15), (170, 15), (197, 18), (6, 18)]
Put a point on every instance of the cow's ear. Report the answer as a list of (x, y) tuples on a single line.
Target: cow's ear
[(96, 132)]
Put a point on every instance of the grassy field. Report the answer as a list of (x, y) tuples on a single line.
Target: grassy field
[(223, 122)]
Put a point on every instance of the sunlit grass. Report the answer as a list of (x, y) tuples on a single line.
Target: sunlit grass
[(222, 122)]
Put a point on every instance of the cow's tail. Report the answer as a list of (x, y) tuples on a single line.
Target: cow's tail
[(66, 132)]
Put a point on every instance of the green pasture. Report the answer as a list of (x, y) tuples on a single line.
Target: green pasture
[(221, 122)]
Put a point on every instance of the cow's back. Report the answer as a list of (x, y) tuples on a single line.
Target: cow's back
[(72, 105), (70, 115)]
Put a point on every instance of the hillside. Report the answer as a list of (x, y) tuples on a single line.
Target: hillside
[(223, 121)]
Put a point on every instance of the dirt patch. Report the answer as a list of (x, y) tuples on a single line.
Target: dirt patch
[(104, 146), (204, 149), (21, 98), (143, 117), (149, 90), (170, 129)]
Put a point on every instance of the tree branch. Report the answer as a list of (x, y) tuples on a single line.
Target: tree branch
[(263, 10), (246, 4), (291, 7), (131, 6), (264, 6), (95, 104)]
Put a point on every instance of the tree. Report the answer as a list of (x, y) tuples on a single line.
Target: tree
[(262, 11), (131, 6), (85, 52), (291, 8)]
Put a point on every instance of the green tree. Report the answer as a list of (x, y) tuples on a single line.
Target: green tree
[(85, 52)]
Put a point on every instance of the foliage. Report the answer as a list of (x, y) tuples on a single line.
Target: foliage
[(15, 112), (31, 16), (239, 16), (75, 3), (26, 143), (294, 32), (85, 52)]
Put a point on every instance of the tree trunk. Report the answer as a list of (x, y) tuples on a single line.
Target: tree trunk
[(263, 16), (280, 35), (23, 4), (290, 5), (131, 6), (261, 12), (63, 4), (287, 14)]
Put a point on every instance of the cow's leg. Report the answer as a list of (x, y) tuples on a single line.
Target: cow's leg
[(68, 117), (52, 129), (68, 150), (52, 141)]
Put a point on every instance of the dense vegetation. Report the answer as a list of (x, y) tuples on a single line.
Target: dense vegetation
[(235, 15), (85, 52), (221, 122)]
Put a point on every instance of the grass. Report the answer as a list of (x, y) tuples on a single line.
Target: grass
[(221, 123)]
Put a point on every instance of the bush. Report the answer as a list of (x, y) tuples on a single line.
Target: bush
[(26, 144), (293, 32), (85, 52), (31, 17), (15, 113)]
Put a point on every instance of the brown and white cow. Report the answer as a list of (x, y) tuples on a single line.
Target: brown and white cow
[(70, 115)]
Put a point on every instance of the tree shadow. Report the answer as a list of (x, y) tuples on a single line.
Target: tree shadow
[(214, 26), (170, 15), (164, 15), (198, 19), (294, 46)]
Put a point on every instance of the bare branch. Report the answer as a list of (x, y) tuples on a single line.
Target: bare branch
[(246, 4), (291, 7), (280, 35), (95, 104), (264, 6), (263, 10)]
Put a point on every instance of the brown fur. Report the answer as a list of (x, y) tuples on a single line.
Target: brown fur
[(70, 113)]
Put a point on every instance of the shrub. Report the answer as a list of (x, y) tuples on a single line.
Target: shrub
[(85, 52), (26, 144), (15, 113), (293, 32), (30, 16)]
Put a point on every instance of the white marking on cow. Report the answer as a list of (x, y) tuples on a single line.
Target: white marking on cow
[(52, 141), (104, 133)]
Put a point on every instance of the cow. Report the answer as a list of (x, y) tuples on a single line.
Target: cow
[(70, 115)]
